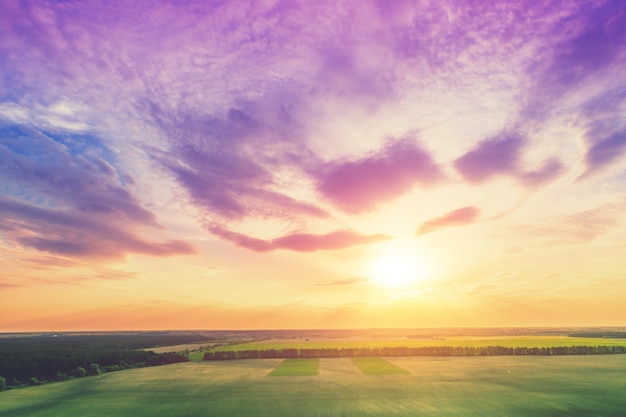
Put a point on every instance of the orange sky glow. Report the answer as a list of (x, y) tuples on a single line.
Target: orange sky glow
[(259, 165)]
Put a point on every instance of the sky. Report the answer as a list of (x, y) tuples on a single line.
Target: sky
[(296, 164)]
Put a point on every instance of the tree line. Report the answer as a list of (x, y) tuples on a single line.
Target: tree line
[(412, 351), (38, 359), (603, 334)]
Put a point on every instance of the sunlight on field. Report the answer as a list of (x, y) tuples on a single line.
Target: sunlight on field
[(485, 386), (377, 366), (297, 367)]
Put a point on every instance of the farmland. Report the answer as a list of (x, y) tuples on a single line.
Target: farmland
[(452, 346), (297, 367), (377, 366), (459, 341), (181, 348), (591, 385)]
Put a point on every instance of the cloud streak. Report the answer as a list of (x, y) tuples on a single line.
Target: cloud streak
[(299, 242), (501, 155), (6, 286), (604, 153), (62, 233), (343, 282), (69, 172), (67, 198), (459, 217), (226, 165), (578, 227)]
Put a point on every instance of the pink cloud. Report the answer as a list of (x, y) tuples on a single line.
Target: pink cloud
[(306, 242), (341, 282), (361, 185), (459, 217), (298, 242), (257, 245)]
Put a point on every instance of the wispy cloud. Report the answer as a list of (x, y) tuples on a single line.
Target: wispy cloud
[(458, 217), (578, 227), (71, 171), (342, 282), (598, 34), (59, 232), (67, 199), (501, 155), (113, 275), (299, 242), (604, 152), (576, 78), (42, 262), (226, 165), (7, 286)]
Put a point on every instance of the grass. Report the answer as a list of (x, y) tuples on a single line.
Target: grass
[(377, 366), (196, 356), (297, 367), (195, 350), (181, 348), (513, 341), (454, 386)]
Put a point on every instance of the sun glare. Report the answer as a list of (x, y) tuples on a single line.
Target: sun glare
[(397, 268)]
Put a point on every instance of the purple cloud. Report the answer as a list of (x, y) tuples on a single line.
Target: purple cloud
[(587, 48), (77, 235), (71, 174), (491, 157), (298, 242), (361, 185), (604, 152), (225, 166), (64, 197), (459, 217), (550, 170), (239, 239), (599, 37), (501, 155)]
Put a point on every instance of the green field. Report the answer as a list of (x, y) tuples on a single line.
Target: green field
[(591, 385), (297, 367), (196, 355), (510, 341), (182, 348), (377, 366)]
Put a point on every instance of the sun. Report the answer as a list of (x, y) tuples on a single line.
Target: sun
[(397, 268)]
